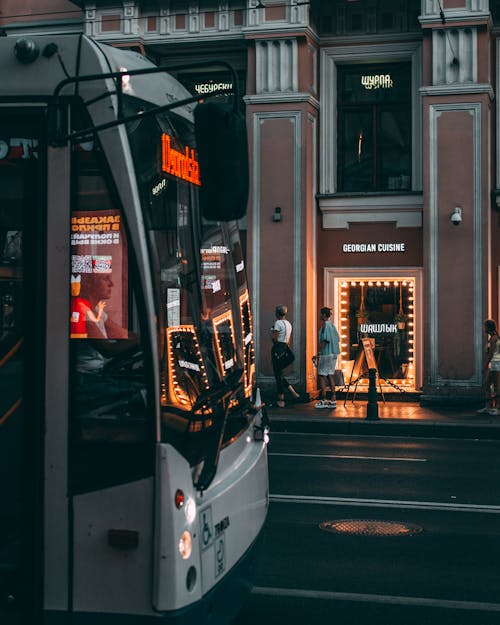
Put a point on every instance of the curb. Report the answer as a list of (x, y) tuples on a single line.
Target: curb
[(385, 427)]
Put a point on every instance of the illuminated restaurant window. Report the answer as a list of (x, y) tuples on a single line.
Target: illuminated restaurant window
[(382, 309), (374, 138)]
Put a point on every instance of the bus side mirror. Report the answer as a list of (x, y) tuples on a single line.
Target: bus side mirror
[(221, 140)]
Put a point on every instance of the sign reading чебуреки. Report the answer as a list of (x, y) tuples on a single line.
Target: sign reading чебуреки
[(373, 247)]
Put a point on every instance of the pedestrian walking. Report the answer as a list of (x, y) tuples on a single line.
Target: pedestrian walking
[(326, 358), (491, 370), (281, 354)]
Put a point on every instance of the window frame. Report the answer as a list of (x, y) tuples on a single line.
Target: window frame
[(35, 376), (375, 110), (105, 454), (331, 60)]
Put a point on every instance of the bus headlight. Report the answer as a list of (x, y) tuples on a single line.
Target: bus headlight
[(190, 510), (185, 545)]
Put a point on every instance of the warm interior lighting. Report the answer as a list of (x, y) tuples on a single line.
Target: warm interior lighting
[(382, 309), (247, 325), (219, 322), (183, 362)]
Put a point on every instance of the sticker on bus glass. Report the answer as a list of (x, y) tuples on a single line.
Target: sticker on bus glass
[(99, 275)]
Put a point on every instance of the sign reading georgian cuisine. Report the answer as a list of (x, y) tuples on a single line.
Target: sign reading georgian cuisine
[(373, 247)]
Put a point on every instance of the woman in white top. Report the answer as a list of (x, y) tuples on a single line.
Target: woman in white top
[(280, 334), (492, 369)]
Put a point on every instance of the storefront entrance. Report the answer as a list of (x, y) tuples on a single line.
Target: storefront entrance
[(383, 305)]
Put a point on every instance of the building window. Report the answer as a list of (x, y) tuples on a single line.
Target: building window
[(382, 309), (374, 122), (385, 308)]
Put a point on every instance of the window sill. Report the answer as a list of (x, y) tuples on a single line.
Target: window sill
[(341, 209)]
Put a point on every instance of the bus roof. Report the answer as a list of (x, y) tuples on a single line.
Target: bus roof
[(63, 56)]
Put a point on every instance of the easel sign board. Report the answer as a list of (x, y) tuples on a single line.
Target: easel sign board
[(357, 367), (370, 356), (364, 354)]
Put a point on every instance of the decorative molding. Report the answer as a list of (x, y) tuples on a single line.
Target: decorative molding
[(276, 66), (458, 89), (254, 22), (474, 10), (280, 98), (297, 15), (134, 25), (340, 211), (130, 22), (355, 54), (454, 56), (435, 111)]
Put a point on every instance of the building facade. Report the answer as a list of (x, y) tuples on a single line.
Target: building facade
[(375, 172)]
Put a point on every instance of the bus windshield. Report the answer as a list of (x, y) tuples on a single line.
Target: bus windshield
[(204, 329)]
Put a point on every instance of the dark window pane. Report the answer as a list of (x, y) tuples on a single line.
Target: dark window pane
[(394, 151), (374, 138), (357, 154), (22, 308)]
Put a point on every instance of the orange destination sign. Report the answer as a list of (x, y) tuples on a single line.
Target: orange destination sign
[(182, 165)]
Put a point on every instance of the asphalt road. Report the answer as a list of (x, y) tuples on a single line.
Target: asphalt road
[(380, 530)]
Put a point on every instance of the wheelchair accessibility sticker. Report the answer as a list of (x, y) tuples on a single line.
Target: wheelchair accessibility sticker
[(206, 528), (214, 535)]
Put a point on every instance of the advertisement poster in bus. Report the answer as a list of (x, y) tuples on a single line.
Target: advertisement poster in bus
[(99, 275)]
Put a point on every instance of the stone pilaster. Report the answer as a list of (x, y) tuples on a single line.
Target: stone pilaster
[(282, 121), (456, 164)]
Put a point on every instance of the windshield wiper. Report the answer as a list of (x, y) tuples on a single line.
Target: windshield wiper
[(217, 398)]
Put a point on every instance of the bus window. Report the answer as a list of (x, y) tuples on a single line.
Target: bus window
[(158, 145), (22, 307), (108, 390), (216, 282), (199, 316)]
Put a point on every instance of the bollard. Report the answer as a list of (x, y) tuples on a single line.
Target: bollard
[(372, 405)]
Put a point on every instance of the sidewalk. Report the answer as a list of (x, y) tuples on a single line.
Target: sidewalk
[(396, 418)]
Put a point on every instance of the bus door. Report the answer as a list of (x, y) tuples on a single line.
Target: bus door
[(21, 370)]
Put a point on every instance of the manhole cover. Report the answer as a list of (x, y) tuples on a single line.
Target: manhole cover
[(368, 527)]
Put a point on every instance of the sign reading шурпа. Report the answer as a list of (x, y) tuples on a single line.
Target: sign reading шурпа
[(373, 247)]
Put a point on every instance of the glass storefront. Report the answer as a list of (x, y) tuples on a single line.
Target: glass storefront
[(383, 309)]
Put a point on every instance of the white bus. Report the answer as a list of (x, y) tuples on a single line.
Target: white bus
[(133, 467)]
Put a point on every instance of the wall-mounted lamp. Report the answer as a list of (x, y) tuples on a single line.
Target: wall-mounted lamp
[(456, 216), (277, 214)]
